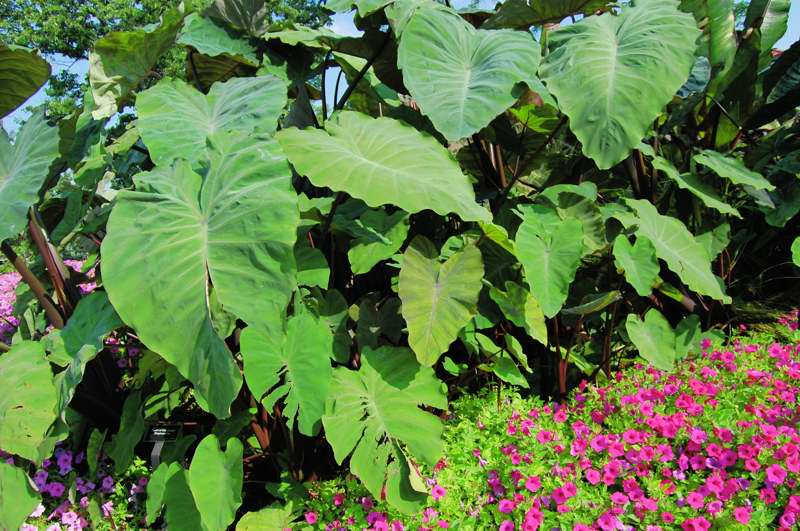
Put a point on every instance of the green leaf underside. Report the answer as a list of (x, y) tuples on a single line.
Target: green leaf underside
[(237, 223), (460, 77), (380, 235), (677, 247), (23, 72), (26, 413), (438, 299), (613, 74), (210, 39), (525, 13), (375, 410), (718, 40), (302, 355), (654, 338), (24, 166), (383, 162), (120, 60), (550, 259), (176, 120)]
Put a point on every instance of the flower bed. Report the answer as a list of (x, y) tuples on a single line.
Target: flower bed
[(715, 443)]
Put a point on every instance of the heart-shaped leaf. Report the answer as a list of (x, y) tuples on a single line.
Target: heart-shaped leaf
[(438, 299), (654, 338), (236, 222), (215, 480), (612, 74), (23, 72), (638, 261), (460, 77), (302, 355)]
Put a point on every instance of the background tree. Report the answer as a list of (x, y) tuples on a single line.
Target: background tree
[(64, 30)]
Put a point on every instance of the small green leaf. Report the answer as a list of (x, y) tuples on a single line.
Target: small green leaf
[(505, 369), (378, 236), (638, 261), (438, 299), (732, 169), (302, 357), (522, 309), (550, 258), (215, 480), (654, 338), (181, 510), (698, 188), (593, 303), (374, 410), (677, 247), (275, 516)]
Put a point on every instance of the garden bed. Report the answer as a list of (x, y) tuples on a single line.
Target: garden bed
[(713, 444)]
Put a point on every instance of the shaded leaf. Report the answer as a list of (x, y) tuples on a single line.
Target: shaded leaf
[(732, 169), (23, 72)]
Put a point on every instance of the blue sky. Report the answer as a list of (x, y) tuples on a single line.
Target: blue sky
[(342, 24)]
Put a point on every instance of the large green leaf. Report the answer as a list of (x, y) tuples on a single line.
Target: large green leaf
[(654, 338), (302, 356), (119, 61), (82, 338), (24, 166), (460, 77), (525, 13), (210, 39), (22, 72), (638, 261), (176, 120), (695, 186), (377, 236), (236, 223), (613, 74), (215, 479), (18, 497), (677, 247), (732, 169), (550, 257), (438, 299), (373, 414), (382, 161), (365, 7), (718, 41), (28, 405)]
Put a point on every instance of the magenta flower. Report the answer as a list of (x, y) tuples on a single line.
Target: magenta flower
[(438, 492), (311, 518), (506, 506), (507, 525), (776, 474), (742, 515)]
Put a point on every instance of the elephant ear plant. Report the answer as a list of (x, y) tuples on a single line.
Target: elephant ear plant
[(315, 241)]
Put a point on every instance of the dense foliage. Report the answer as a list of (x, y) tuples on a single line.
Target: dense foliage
[(306, 275)]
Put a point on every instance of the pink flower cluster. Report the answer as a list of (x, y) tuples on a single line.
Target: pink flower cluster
[(8, 323)]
